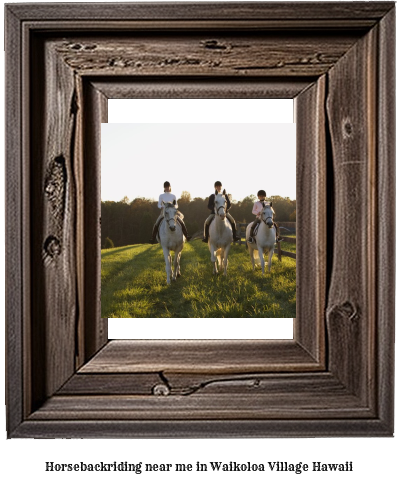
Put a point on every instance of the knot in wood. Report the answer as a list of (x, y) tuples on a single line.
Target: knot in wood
[(161, 390), (90, 47), (347, 128), (52, 246), (349, 310), (213, 44), (50, 188)]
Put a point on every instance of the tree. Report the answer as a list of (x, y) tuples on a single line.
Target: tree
[(185, 197), (126, 223)]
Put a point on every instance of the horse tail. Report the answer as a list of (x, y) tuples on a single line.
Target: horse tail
[(219, 256)]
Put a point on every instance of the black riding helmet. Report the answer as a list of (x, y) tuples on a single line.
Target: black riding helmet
[(262, 193)]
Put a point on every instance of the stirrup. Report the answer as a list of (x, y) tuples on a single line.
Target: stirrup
[(251, 240)]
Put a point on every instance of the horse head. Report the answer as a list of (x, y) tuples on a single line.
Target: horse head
[(267, 215), (170, 214), (220, 206)]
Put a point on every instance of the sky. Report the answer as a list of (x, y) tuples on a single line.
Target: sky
[(193, 143)]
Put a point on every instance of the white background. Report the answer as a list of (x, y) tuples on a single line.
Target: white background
[(206, 140), (22, 461)]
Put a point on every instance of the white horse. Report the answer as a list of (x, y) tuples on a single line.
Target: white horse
[(265, 239), (171, 238), (220, 235)]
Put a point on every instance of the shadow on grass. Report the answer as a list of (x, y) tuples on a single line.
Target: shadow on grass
[(118, 250), (117, 268), (137, 286)]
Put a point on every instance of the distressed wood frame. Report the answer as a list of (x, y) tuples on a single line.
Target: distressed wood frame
[(64, 378)]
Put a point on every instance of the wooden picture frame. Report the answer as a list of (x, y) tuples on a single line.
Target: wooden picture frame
[(335, 378)]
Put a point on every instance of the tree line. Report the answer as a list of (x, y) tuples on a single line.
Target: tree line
[(128, 222)]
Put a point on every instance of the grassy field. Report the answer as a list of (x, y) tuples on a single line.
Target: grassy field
[(133, 285)]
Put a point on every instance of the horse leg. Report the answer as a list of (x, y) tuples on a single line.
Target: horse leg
[(270, 258), (226, 262), (167, 257), (213, 251), (262, 260), (174, 267), (178, 264), (251, 253)]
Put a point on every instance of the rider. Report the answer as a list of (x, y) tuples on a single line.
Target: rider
[(257, 210), (211, 206), (167, 197)]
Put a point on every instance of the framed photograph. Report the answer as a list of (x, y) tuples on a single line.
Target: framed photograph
[(65, 378), (134, 284)]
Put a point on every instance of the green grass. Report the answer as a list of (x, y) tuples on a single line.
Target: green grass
[(133, 285), (288, 246)]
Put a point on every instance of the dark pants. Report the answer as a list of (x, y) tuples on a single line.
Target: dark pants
[(211, 217), (258, 220), (158, 222)]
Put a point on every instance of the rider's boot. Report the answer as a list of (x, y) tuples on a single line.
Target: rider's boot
[(233, 227), (206, 232), (251, 233), (183, 227), (153, 239)]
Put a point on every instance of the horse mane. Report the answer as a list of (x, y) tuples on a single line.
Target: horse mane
[(270, 206)]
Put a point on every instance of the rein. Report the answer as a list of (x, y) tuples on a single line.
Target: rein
[(268, 218), (167, 220), (217, 211)]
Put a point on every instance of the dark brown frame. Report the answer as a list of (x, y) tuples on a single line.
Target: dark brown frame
[(336, 376)]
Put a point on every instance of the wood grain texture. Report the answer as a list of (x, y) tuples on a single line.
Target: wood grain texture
[(95, 331), (53, 215), (351, 307), (14, 261), (200, 356), (311, 249), (208, 11), (184, 384), (188, 87), (385, 207), (271, 55), (202, 429)]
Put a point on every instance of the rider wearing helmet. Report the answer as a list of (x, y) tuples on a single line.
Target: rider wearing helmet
[(257, 210), (167, 197), (211, 206)]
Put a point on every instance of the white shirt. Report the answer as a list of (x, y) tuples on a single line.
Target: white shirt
[(258, 207), (166, 198)]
